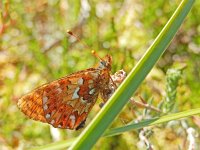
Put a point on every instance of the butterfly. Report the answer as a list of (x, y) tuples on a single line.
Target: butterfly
[(66, 102)]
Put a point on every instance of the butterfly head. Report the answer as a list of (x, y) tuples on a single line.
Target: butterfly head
[(105, 63)]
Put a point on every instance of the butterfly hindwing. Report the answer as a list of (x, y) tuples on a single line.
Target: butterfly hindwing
[(63, 103)]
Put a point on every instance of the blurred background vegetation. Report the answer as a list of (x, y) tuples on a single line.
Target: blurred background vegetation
[(35, 49)]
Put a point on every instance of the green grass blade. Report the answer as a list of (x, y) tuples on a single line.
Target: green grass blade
[(120, 130), (112, 108), (153, 121)]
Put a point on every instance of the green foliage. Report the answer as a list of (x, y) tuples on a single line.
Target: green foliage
[(35, 49), (172, 78)]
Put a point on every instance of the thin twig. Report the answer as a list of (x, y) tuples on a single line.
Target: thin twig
[(143, 105)]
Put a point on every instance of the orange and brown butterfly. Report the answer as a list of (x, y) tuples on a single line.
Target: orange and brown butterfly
[(66, 102)]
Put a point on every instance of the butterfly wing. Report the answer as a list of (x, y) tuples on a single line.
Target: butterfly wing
[(31, 104), (64, 103)]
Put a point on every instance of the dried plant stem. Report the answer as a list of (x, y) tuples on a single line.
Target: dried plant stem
[(143, 105)]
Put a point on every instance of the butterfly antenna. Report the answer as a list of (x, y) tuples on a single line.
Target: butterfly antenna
[(85, 44), (96, 55), (77, 38)]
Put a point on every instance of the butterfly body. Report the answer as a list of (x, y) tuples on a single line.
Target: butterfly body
[(66, 102)]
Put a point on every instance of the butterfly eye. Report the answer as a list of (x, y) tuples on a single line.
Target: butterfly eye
[(103, 63)]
